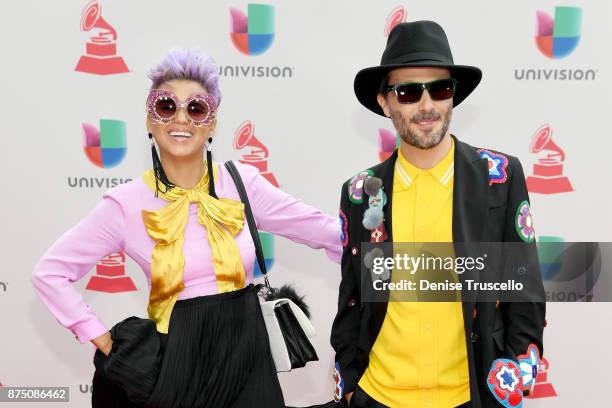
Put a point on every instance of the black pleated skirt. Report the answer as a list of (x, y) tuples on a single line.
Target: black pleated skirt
[(216, 354)]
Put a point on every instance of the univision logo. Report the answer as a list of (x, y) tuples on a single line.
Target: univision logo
[(570, 270), (267, 247), (558, 37), (253, 34), (105, 147), (96, 182), (85, 388), (259, 71), (388, 142)]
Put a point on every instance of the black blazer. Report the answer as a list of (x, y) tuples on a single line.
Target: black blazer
[(481, 213)]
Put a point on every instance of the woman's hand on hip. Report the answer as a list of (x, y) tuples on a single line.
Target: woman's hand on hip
[(104, 343)]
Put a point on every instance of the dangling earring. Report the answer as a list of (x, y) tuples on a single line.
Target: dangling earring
[(158, 170), (209, 167)]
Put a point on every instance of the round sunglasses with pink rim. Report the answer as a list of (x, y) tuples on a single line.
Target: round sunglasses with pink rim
[(162, 106)]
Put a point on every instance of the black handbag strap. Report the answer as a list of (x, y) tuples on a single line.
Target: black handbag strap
[(233, 171)]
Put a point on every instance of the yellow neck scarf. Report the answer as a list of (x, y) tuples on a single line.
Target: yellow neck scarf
[(223, 219)]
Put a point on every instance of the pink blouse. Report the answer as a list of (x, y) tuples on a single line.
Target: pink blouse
[(115, 224)]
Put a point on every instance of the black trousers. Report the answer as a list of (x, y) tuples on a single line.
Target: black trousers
[(361, 399), (216, 355)]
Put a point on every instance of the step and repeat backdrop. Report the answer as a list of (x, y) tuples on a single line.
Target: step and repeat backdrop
[(74, 83)]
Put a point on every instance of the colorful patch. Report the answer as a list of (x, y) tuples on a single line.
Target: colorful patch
[(373, 216), (354, 250), (497, 166), (504, 382), (378, 201), (339, 381), (355, 188), (529, 363), (343, 229), (379, 234), (524, 222)]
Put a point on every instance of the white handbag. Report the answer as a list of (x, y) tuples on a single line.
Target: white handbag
[(280, 354)]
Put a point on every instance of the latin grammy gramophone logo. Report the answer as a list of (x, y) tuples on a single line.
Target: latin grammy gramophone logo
[(101, 50), (547, 175), (244, 137), (110, 275), (542, 388), (257, 156), (398, 15)]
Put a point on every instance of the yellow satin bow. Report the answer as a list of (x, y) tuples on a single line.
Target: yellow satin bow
[(223, 219)]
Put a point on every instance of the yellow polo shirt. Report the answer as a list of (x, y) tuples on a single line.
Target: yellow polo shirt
[(419, 359)]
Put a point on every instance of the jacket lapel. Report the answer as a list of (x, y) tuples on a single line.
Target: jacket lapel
[(470, 204), (470, 209), (470, 193), (384, 171), (387, 174), (376, 312)]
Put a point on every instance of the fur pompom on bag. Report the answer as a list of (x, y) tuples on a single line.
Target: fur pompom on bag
[(287, 292)]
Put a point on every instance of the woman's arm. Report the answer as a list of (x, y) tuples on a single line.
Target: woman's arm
[(70, 258), (282, 214)]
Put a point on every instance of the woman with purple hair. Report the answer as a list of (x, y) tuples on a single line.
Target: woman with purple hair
[(204, 343)]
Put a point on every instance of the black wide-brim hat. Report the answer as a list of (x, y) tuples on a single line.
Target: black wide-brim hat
[(414, 44)]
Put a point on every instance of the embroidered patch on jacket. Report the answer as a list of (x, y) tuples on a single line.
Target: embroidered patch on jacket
[(343, 229), (497, 166), (529, 363), (504, 382), (524, 222), (378, 201), (374, 216), (355, 188), (379, 234), (339, 381)]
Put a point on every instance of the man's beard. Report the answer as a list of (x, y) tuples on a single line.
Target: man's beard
[(418, 139)]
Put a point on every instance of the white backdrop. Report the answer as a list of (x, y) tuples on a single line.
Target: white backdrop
[(317, 135)]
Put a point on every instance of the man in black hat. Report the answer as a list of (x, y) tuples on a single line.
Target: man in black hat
[(434, 188)]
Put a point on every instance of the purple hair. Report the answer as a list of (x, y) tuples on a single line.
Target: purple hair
[(187, 63)]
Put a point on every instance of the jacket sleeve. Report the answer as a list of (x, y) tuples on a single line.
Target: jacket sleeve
[(70, 258), (524, 320), (279, 213), (346, 325)]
